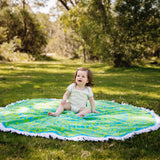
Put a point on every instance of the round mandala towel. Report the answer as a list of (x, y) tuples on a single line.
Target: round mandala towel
[(115, 121)]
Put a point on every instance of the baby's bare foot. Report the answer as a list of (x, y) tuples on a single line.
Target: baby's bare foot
[(80, 115), (52, 114)]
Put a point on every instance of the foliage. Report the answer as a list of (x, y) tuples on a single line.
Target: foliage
[(33, 38), (7, 52), (124, 34), (62, 42), (9, 23), (3, 35), (88, 31), (137, 27), (138, 86), (24, 25)]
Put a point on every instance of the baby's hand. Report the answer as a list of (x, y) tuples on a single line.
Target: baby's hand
[(63, 102)]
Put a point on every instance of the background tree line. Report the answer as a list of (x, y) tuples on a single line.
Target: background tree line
[(18, 23), (125, 32)]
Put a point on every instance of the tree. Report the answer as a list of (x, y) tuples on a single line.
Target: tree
[(25, 26), (33, 38), (137, 29), (69, 4), (125, 34), (25, 4), (89, 21), (10, 23)]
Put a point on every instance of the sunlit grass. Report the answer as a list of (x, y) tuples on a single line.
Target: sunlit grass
[(139, 86)]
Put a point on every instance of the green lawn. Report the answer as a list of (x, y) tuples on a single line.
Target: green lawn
[(139, 86)]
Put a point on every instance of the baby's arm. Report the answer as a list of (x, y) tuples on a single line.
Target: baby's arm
[(92, 102), (65, 96)]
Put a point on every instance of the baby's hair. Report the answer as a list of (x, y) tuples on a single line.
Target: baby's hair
[(89, 76)]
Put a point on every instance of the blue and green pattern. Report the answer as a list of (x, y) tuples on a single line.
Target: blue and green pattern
[(116, 121)]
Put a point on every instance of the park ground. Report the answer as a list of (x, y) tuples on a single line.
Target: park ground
[(139, 86)]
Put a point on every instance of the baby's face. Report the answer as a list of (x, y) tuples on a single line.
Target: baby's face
[(81, 78)]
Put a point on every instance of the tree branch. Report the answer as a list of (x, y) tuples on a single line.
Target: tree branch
[(64, 4), (72, 3)]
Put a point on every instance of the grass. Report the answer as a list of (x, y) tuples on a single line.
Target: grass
[(139, 86)]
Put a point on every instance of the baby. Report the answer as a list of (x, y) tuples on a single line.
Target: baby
[(78, 93)]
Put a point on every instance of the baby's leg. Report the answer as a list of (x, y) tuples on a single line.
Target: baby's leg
[(60, 109), (83, 111)]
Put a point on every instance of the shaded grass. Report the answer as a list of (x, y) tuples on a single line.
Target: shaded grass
[(139, 86)]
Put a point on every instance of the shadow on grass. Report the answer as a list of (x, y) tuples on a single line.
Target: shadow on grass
[(47, 80), (33, 85), (45, 58)]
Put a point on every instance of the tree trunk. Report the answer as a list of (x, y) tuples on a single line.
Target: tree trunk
[(23, 4)]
